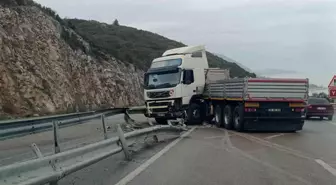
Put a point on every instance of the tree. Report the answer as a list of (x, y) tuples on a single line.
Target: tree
[(21, 2), (135, 46), (116, 22), (323, 95)]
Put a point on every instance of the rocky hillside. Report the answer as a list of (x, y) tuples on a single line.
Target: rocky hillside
[(41, 74)]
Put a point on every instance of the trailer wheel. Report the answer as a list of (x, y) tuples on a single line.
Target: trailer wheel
[(330, 118), (228, 118), (238, 119), (161, 121), (194, 114), (218, 116)]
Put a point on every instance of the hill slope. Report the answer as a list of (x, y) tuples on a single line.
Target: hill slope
[(233, 61), (137, 46), (43, 73)]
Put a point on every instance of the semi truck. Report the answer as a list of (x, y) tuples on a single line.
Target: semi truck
[(180, 84)]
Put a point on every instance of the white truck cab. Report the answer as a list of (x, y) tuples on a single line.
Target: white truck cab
[(173, 80)]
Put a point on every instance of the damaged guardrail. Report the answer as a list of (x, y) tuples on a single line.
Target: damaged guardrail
[(52, 168), (14, 128)]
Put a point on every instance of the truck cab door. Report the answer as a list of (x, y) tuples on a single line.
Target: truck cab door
[(188, 85)]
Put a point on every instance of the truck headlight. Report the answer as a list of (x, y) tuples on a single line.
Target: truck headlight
[(171, 92)]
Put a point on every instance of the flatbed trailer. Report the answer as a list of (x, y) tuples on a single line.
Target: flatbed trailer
[(269, 104)]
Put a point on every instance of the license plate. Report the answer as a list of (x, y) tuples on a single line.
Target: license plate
[(274, 110), (321, 108), (161, 114)]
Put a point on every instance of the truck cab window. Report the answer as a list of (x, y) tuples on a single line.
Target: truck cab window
[(188, 76)]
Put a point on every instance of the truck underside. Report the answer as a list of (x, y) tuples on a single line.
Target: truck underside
[(238, 115), (260, 116)]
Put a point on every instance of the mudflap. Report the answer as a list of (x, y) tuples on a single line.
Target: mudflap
[(273, 125)]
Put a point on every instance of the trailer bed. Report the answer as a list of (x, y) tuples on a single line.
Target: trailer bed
[(258, 89)]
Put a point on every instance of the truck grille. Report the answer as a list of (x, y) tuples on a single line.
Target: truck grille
[(158, 106), (158, 94), (153, 104)]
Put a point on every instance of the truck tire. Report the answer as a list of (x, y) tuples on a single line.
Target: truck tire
[(238, 119), (161, 121), (218, 116), (194, 114), (228, 118)]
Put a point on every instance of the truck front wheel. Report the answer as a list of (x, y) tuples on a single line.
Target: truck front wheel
[(194, 114), (238, 119)]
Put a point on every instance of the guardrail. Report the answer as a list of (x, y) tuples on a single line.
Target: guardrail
[(52, 168), (15, 128)]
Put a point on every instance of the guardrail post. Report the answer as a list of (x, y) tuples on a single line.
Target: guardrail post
[(150, 122), (104, 126), (36, 150), (123, 142), (56, 137), (128, 118)]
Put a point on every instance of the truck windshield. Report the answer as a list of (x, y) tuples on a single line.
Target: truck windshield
[(162, 79)]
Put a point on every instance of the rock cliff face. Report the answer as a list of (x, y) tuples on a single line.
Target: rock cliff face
[(41, 74)]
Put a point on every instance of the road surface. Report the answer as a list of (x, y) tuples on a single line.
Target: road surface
[(208, 155), (205, 155)]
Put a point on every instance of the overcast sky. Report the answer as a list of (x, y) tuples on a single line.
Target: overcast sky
[(293, 38)]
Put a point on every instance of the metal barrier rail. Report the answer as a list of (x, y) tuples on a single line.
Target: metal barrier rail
[(36, 120), (52, 168), (14, 128)]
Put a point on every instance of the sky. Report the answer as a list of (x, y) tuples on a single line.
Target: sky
[(276, 38)]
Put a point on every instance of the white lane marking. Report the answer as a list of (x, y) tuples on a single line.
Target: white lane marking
[(226, 139), (150, 161), (234, 149), (279, 170), (274, 145), (273, 136), (215, 137), (332, 123), (326, 166)]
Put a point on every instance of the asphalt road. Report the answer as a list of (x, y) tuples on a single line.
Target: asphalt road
[(209, 155), (217, 156), (19, 149)]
